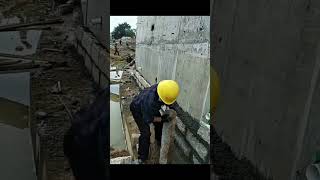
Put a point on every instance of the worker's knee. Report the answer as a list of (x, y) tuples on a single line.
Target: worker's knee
[(145, 133)]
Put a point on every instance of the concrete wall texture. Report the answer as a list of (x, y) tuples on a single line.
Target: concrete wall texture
[(96, 17), (95, 56), (267, 55), (177, 47)]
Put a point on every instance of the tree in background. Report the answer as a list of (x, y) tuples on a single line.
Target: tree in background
[(123, 30)]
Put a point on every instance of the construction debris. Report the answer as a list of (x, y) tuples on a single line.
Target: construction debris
[(55, 89), (65, 106), (52, 50), (15, 26), (41, 114), (65, 9), (19, 48), (8, 62), (19, 66), (121, 160)]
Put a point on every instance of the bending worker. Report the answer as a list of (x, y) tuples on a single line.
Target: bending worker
[(150, 107)]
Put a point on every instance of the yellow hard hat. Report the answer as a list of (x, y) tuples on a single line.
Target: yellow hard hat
[(215, 89), (168, 91)]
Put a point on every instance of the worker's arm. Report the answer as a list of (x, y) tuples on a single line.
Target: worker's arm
[(174, 106), (149, 117)]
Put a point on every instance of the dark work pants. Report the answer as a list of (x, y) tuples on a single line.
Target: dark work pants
[(144, 139)]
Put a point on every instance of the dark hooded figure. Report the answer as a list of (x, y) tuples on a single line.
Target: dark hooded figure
[(86, 142)]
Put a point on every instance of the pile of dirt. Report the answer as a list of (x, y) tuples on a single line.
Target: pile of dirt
[(126, 55), (118, 153), (226, 165)]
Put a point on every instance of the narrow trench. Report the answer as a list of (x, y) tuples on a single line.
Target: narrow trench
[(122, 95)]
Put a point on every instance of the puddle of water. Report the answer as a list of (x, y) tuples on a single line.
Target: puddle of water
[(117, 137), (19, 42), (16, 151), (13, 114), (115, 75), (115, 89), (16, 87)]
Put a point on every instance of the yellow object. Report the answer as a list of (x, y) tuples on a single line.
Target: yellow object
[(215, 90), (168, 91)]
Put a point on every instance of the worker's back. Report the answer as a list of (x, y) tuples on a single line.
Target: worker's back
[(86, 143)]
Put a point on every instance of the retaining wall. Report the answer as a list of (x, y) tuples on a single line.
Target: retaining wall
[(95, 15), (96, 57), (177, 48), (267, 56)]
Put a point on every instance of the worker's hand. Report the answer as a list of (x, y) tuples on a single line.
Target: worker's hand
[(168, 115), (165, 118), (157, 119)]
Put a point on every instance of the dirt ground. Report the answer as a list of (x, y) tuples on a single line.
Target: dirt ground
[(124, 51), (128, 89), (118, 153), (48, 112)]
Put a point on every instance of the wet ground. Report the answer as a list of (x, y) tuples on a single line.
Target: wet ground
[(118, 144), (117, 136), (57, 61), (16, 152)]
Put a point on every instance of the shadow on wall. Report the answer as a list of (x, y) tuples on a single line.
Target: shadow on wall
[(215, 92)]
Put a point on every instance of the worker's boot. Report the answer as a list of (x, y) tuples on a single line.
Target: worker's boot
[(138, 161)]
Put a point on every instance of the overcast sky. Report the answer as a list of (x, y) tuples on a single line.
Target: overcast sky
[(115, 20)]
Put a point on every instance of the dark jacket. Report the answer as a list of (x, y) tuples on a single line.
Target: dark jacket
[(147, 104), (86, 142)]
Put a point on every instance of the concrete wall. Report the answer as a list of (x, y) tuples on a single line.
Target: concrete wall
[(96, 17), (267, 58), (95, 56), (178, 48)]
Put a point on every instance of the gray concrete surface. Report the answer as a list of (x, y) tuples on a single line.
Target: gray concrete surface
[(95, 15), (267, 58)]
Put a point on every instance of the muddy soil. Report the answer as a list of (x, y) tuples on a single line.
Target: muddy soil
[(118, 153), (121, 60), (128, 87), (65, 66), (227, 166)]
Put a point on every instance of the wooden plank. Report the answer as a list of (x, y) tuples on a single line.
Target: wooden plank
[(15, 26)]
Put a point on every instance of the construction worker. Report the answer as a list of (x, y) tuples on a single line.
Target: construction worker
[(116, 51), (85, 143), (150, 107)]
